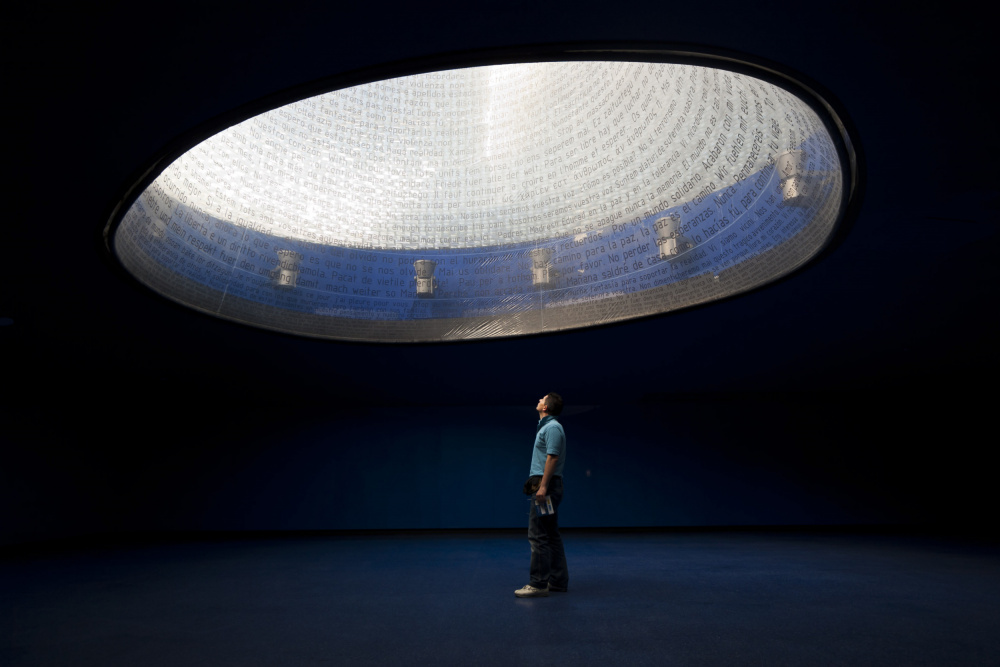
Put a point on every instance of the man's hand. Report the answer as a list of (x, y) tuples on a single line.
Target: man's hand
[(541, 493)]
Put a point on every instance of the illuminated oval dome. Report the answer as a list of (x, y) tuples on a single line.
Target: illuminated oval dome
[(493, 201)]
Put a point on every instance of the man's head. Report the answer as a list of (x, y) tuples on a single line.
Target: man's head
[(551, 404)]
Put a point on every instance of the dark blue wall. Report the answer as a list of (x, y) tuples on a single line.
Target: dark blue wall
[(651, 461), (848, 393)]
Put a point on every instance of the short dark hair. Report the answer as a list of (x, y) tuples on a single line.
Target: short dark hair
[(554, 403)]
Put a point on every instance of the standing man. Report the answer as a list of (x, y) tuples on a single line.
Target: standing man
[(548, 560)]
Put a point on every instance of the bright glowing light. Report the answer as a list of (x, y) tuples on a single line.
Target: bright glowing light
[(538, 197)]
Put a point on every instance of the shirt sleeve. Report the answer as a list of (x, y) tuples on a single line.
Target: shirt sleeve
[(555, 441)]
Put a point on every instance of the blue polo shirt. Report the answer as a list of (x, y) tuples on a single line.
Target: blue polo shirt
[(549, 439)]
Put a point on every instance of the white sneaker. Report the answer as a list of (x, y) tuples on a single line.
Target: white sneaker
[(530, 591)]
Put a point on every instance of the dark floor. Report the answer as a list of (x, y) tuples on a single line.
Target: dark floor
[(645, 598)]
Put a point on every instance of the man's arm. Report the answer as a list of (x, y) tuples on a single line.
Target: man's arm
[(550, 468)]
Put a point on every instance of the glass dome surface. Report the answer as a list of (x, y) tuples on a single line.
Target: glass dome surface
[(492, 201)]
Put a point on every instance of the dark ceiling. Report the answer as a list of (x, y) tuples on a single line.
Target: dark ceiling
[(906, 302)]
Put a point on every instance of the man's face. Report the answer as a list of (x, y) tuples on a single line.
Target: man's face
[(541, 407)]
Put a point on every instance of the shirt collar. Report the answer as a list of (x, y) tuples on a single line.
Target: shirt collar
[(543, 421)]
